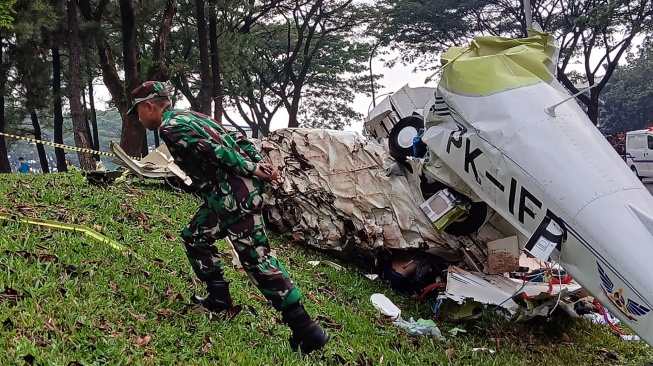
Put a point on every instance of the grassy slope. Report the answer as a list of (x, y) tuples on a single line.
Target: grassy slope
[(83, 301)]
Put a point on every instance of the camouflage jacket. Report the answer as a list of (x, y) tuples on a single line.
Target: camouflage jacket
[(220, 164)]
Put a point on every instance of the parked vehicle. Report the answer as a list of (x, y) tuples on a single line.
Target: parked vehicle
[(639, 152)]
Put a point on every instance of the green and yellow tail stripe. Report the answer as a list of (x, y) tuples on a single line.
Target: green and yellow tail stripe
[(62, 146)]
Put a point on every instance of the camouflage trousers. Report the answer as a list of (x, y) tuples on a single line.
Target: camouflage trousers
[(247, 233)]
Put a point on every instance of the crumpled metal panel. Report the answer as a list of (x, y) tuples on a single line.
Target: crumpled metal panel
[(337, 196)]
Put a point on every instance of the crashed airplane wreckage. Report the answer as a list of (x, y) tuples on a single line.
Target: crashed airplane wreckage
[(501, 160)]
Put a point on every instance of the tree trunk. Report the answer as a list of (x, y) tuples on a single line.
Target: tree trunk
[(593, 106), (132, 136), (205, 73), (43, 158), (85, 114), (159, 70), (293, 110), (86, 161), (215, 64), (91, 100), (5, 166), (59, 153)]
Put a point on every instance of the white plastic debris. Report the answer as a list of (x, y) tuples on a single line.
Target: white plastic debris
[(630, 338), (313, 263), (385, 306), (419, 327), (600, 319), (372, 276), (484, 349)]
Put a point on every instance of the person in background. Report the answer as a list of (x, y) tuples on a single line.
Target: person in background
[(22, 167), (230, 175)]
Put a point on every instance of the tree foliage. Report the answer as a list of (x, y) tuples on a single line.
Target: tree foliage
[(7, 13), (305, 59), (628, 97)]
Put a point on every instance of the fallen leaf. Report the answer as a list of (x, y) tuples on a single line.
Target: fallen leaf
[(71, 269), (39, 246), (63, 278), (363, 360), (609, 354), (194, 281), (174, 297), (50, 325), (339, 360), (169, 236), (10, 294), (97, 228), (207, 347), (114, 335), (565, 338), (146, 273), (93, 337), (164, 311), (328, 323), (137, 316), (313, 298), (143, 341), (449, 353), (115, 288), (164, 219), (143, 286)]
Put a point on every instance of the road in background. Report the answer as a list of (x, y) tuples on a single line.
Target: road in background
[(648, 183)]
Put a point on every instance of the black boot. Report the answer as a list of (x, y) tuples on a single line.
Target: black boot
[(218, 299), (306, 335)]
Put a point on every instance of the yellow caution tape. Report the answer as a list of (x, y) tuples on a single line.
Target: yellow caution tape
[(70, 227), (62, 146)]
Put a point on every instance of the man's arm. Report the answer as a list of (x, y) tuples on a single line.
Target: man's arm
[(210, 146), (247, 146)]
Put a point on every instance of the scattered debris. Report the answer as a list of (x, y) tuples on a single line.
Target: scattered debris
[(454, 331), (484, 349), (419, 327), (158, 164), (385, 306)]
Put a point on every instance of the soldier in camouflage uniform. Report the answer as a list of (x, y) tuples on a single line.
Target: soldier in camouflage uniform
[(230, 176)]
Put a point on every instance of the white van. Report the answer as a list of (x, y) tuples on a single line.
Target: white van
[(639, 152)]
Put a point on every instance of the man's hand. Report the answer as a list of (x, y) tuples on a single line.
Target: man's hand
[(267, 173)]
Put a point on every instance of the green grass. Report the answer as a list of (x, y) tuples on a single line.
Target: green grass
[(79, 301)]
